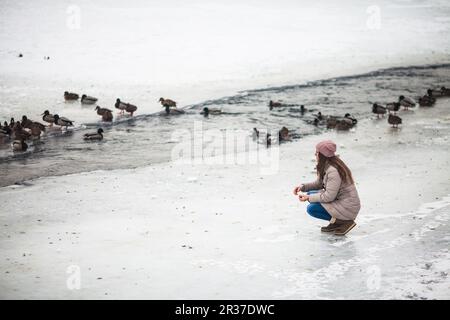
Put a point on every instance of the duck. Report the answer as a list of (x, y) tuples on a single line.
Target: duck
[(12, 122), (283, 134), (5, 129), (406, 102), (445, 92), (378, 110), (167, 102), (353, 119), (319, 116), (302, 109), (47, 117), (427, 101), (331, 122), (268, 140), (393, 107), (29, 124), (18, 132), (70, 96), (5, 133), (120, 105), (88, 99), (26, 123), (394, 120), (434, 93), (62, 121), (273, 104), (19, 145), (130, 108), (35, 131), (106, 114), (94, 136), (344, 124), (207, 111), (101, 111), (255, 134)]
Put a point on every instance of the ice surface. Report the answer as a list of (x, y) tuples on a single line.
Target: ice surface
[(238, 232)]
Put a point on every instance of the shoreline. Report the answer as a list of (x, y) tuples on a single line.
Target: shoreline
[(161, 229)]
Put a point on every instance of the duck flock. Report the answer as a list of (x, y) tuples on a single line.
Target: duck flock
[(19, 132), (348, 121)]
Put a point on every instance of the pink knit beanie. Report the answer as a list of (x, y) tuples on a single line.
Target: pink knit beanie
[(327, 148)]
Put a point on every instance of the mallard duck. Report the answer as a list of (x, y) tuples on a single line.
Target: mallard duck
[(445, 91), (19, 145), (5, 129), (167, 102), (406, 102), (88, 99), (283, 134), (120, 105), (394, 120), (319, 116), (106, 114), (12, 122), (101, 111), (62, 121), (26, 123), (378, 110), (331, 122), (70, 96), (18, 133), (344, 124), (35, 131), (427, 101), (94, 136), (207, 111), (273, 104), (130, 108), (47, 117), (353, 119), (393, 107), (268, 140), (434, 93)]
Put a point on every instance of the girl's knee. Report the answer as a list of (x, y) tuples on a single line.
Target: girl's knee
[(311, 208)]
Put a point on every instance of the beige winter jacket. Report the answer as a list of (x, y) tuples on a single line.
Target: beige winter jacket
[(340, 200)]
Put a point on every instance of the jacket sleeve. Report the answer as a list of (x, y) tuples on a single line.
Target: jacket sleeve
[(331, 188), (316, 185)]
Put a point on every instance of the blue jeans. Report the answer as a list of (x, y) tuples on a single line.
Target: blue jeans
[(316, 210)]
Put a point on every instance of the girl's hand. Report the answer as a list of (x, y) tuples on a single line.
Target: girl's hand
[(303, 197), (297, 190)]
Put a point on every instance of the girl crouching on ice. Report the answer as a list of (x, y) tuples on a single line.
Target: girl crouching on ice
[(333, 196)]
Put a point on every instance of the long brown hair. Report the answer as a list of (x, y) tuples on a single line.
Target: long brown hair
[(341, 167)]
